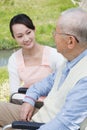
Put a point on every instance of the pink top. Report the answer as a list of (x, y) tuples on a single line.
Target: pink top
[(32, 74)]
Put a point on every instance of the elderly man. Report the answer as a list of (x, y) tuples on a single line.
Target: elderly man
[(65, 107)]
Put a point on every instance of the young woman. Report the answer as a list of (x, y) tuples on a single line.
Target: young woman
[(32, 62)]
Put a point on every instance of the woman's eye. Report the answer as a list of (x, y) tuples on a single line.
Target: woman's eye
[(19, 36), (29, 32)]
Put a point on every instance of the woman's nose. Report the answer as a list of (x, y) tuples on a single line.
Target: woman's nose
[(26, 38)]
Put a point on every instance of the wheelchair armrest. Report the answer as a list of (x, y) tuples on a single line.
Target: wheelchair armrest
[(38, 104), (22, 90), (26, 125)]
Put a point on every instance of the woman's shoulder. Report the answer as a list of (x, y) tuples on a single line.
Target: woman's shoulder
[(56, 59), (14, 54), (17, 52), (53, 52), (50, 50)]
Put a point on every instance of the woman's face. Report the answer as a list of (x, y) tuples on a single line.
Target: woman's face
[(24, 36)]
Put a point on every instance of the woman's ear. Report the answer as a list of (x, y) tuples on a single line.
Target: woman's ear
[(71, 43)]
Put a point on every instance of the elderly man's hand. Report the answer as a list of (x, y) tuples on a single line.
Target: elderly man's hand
[(26, 112)]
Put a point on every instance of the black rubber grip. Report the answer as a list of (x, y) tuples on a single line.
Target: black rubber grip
[(22, 90), (26, 125)]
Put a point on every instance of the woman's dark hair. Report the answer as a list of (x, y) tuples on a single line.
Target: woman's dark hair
[(21, 19)]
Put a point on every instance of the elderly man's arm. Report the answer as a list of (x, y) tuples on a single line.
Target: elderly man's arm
[(39, 89), (33, 93)]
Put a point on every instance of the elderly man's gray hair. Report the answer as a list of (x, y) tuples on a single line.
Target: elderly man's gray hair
[(74, 21)]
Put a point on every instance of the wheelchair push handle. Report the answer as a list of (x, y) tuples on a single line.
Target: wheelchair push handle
[(22, 90)]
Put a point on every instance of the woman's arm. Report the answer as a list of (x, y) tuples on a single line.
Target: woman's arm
[(14, 79)]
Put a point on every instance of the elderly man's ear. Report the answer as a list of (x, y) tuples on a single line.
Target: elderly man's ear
[(71, 42)]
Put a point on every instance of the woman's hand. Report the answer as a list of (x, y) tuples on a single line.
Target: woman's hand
[(26, 112)]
